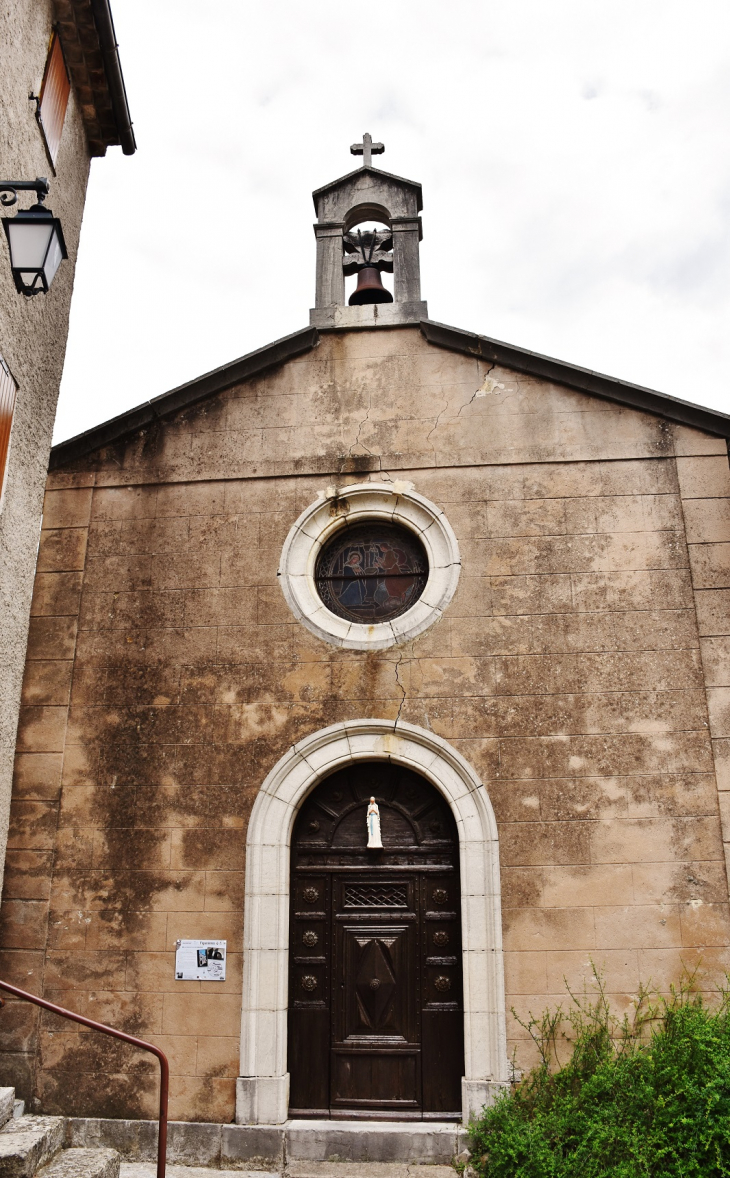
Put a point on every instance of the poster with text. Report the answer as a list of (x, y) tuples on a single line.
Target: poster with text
[(200, 961)]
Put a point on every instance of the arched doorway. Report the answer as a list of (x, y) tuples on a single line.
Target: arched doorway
[(375, 979), (262, 1088)]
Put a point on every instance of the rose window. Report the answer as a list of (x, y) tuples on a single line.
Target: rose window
[(372, 572)]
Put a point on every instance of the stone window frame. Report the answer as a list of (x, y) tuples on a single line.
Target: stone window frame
[(262, 1089), (396, 503)]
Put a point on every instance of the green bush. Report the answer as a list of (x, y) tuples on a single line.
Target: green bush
[(642, 1096)]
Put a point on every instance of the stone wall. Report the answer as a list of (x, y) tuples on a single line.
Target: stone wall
[(166, 677), (32, 341)]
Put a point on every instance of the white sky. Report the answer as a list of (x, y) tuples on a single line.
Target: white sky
[(573, 155)]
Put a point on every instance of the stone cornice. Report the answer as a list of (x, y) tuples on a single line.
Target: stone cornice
[(575, 377), (185, 395), (481, 346)]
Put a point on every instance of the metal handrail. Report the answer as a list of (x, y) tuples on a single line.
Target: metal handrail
[(89, 1022)]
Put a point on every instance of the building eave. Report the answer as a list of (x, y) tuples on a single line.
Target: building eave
[(91, 53), (572, 375)]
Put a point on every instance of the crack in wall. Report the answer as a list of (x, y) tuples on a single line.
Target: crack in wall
[(474, 395), (436, 423), (357, 441), (399, 684), (476, 392)]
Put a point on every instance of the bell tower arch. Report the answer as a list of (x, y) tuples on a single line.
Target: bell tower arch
[(368, 194)]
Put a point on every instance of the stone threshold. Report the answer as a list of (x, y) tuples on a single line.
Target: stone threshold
[(272, 1147), (297, 1170)]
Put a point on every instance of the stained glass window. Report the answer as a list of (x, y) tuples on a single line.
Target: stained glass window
[(371, 572)]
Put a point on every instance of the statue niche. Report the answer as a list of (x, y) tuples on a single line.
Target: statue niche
[(375, 842)]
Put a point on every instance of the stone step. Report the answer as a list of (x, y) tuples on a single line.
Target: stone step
[(295, 1170), (365, 1170), (149, 1170), (272, 1148), (27, 1143), (83, 1163), (7, 1104), (412, 1142)]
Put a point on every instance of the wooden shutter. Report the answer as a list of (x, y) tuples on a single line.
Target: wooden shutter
[(53, 99), (8, 389)]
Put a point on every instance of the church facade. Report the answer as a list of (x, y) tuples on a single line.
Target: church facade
[(383, 581)]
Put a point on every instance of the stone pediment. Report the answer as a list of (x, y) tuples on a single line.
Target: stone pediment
[(368, 186), (439, 336)]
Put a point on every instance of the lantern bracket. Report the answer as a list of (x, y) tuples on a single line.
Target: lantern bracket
[(35, 237), (9, 190)]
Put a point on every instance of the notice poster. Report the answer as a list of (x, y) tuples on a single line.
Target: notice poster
[(200, 961)]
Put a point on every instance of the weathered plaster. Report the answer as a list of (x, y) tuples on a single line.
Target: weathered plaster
[(166, 677), (32, 341)]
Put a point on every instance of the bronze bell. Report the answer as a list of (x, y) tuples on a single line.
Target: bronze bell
[(369, 288)]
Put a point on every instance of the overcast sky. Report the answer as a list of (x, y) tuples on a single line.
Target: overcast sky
[(573, 155)]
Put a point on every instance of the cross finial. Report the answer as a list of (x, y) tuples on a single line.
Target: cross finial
[(367, 149)]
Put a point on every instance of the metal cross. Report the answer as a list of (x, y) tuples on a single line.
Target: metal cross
[(367, 149)]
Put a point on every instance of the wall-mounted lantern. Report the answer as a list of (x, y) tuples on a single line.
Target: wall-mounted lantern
[(35, 238)]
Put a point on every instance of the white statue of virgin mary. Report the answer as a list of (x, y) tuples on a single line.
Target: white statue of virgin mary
[(373, 823)]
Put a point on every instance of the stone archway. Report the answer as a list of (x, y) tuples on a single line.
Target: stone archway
[(263, 1086)]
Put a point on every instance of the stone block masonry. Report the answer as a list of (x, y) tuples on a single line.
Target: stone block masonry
[(579, 669), (33, 331), (301, 1149)]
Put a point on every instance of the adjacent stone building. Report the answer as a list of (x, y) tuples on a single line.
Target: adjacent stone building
[(62, 102), (379, 558)]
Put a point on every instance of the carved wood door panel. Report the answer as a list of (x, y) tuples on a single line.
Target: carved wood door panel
[(375, 1040), (375, 992)]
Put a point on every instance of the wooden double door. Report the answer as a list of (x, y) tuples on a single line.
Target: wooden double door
[(375, 984)]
